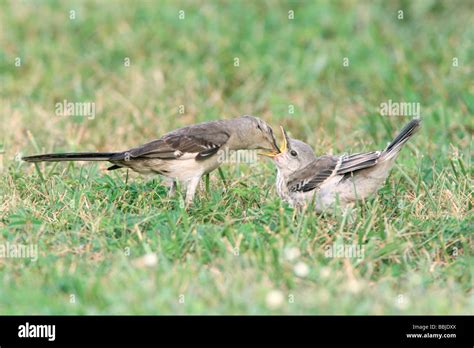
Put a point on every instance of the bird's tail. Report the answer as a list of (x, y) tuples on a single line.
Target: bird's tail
[(77, 156), (394, 147)]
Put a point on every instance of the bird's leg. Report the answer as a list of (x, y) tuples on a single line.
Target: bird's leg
[(172, 189), (221, 174), (207, 183), (171, 185), (192, 184)]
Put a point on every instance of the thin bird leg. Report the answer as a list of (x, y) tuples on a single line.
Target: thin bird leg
[(172, 189), (171, 185), (192, 184), (221, 174), (206, 179)]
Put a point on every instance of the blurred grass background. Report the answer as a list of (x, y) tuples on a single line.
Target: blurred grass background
[(93, 227)]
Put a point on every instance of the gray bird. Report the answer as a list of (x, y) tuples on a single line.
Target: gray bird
[(184, 154), (303, 178)]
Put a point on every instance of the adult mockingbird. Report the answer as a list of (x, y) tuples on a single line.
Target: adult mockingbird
[(184, 154), (302, 177)]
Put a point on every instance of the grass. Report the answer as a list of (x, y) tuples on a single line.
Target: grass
[(239, 250)]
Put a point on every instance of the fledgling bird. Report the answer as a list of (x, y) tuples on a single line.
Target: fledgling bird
[(184, 154), (302, 177)]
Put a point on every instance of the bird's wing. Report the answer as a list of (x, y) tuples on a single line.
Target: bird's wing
[(314, 174), (358, 161), (322, 168), (197, 141)]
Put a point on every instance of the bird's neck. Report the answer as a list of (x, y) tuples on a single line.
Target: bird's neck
[(239, 139), (282, 188)]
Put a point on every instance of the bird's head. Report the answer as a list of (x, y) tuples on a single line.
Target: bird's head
[(294, 155), (258, 135)]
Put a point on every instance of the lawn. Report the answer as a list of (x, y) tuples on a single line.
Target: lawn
[(114, 243)]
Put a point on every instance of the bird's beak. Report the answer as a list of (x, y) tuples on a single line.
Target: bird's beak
[(269, 154), (275, 151), (283, 147)]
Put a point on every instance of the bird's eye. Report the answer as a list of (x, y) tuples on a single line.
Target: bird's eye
[(293, 153)]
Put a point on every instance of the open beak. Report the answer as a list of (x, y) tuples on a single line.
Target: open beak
[(269, 154), (283, 147)]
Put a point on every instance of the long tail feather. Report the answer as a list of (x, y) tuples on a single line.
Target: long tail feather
[(79, 156), (394, 147)]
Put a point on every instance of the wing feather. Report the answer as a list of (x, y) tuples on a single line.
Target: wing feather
[(179, 143), (322, 168), (314, 174), (358, 161)]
